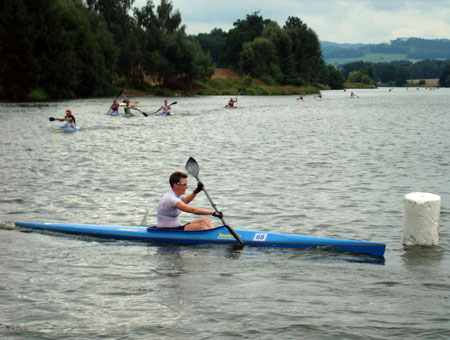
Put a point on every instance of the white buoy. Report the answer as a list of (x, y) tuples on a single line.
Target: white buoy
[(421, 219)]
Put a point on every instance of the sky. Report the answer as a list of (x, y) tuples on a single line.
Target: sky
[(340, 21)]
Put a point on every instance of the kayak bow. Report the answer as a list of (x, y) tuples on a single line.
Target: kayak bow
[(220, 235)]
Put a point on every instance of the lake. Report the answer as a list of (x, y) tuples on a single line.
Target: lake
[(338, 167)]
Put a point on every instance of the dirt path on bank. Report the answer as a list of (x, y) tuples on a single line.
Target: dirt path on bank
[(225, 73)]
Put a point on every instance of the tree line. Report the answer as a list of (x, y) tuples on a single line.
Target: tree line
[(74, 48), (288, 55), (397, 73), (78, 48)]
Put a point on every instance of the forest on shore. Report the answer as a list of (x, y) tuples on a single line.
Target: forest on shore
[(54, 49), (73, 48)]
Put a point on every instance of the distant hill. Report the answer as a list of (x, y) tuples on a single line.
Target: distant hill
[(412, 49)]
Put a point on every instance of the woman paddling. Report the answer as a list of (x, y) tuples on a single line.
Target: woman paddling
[(114, 108)]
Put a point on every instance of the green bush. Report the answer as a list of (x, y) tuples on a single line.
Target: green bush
[(38, 95)]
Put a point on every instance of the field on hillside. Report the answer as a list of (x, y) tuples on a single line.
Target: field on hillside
[(428, 82), (370, 57)]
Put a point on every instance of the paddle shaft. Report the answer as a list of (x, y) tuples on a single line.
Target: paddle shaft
[(145, 114), (231, 230)]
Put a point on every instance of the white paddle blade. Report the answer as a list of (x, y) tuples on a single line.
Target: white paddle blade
[(192, 167)]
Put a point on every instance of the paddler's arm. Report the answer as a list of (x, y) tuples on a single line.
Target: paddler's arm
[(158, 109), (193, 210), (188, 198)]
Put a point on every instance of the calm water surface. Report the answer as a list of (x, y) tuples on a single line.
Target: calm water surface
[(339, 167)]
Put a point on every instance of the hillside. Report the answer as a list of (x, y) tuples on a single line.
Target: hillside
[(412, 49)]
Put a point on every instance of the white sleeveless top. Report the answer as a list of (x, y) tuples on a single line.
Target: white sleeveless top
[(168, 214)]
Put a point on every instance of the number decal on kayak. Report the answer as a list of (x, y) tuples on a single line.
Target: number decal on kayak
[(260, 237)]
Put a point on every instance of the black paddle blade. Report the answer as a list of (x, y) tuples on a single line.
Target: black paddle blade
[(145, 114), (192, 167), (51, 119), (172, 103)]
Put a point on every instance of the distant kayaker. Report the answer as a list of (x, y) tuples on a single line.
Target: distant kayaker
[(165, 108), (69, 119), (128, 107), (174, 202), (352, 94), (232, 101), (114, 107)]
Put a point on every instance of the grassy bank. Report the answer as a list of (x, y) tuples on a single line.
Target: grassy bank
[(230, 86), (249, 86), (359, 86)]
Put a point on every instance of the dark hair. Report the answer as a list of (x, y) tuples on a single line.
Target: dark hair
[(175, 177)]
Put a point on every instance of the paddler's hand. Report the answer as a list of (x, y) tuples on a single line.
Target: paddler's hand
[(199, 187), (217, 214)]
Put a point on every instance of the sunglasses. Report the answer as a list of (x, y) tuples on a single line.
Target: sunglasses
[(183, 184)]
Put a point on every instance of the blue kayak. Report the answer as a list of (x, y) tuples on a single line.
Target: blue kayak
[(219, 235), (112, 113), (165, 114), (68, 129)]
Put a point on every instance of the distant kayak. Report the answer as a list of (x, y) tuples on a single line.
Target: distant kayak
[(112, 113), (231, 107), (300, 100), (165, 114), (67, 129), (317, 98)]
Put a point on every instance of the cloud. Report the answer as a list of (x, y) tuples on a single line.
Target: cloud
[(351, 21)]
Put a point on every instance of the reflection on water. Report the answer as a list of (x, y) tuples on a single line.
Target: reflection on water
[(421, 256)]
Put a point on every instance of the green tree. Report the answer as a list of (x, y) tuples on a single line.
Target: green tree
[(336, 80), (168, 54), (18, 38), (444, 79), (385, 72), (283, 63), (69, 55), (402, 74), (257, 56), (211, 43), (307, 56), (244, 31), (124, 30)]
